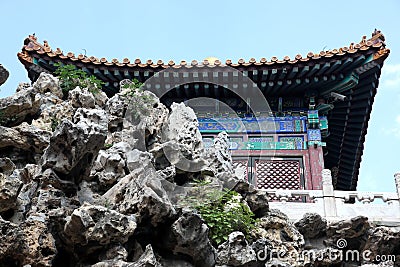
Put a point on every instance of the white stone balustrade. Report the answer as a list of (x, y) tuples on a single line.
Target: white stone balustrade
[(382, 208)]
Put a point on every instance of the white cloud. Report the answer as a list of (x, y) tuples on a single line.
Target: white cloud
[(391, 75)]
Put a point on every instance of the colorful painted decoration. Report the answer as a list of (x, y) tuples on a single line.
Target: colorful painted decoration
[(314, 134), (253, 125)]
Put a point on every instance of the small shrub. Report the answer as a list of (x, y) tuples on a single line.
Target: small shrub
[(223, 212), (139, 100), (54, 122), (71, 77), (108, 145)]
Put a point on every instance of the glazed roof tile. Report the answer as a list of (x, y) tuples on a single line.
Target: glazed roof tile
[(376, 42)]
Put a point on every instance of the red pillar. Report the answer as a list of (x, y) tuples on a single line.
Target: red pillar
[(316, 166)]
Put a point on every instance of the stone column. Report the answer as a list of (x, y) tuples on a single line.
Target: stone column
[(329, 194), (397, 181)]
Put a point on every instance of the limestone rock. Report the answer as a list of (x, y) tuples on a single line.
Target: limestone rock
[(147, 115), (74, 146), (98, 224), (282, 234), (220, 155), (16, 108), (81, 98), (110, 165), (3, 74), (48, 83), (136, 117), (181, 141), (6, 166), (29, 243), (116, 108), (277, 263), (25, 137), (115, 252), (189, 236), (312, 225), (383, 241), (52, 111), (381, 264), (142, 193), (148, 259), (26, 193), (258, 202), (236, 251), (10, 185), (350, 230)]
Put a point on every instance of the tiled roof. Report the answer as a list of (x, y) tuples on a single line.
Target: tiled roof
[(31, 45)]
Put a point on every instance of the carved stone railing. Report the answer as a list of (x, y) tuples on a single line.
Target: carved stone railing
[(380, 207)]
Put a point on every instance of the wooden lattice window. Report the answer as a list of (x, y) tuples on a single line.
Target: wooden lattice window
[(277, 174)]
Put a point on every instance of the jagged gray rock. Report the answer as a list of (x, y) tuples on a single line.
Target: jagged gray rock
[(81, 98), (147, 259), (220, 155), (25, 137), (3, 74), (281, 233), (188, 235), (98, 224), (181, 141), (236, 251), (257, 201), (10, 185), (48, 83), (20, 106), (383, 241), (312, 225), (351, 230), (74, 146), (66, 198), (111, 165), (6, 166), (141, 193), (29, 243)]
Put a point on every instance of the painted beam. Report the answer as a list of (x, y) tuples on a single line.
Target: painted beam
[(109, 75), (335, 66), (264, 75), (87, 71), (127, 75), (293, 73), (283, 74), (314, 69), (118, 75), (43, 63), (345, 64), (323, 69), (274, 72), (100, 75), (305, 70)]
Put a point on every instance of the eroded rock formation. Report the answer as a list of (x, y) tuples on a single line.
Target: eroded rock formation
[(3, 74)]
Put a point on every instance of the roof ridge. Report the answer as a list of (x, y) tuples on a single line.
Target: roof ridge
[(32, 45)]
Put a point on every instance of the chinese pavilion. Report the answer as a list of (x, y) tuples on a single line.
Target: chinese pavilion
[(318, 105)]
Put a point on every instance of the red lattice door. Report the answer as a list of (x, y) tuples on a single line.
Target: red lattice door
[(278, 174), (270, 173)]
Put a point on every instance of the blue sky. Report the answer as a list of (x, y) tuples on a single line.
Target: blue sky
[(190, 30)]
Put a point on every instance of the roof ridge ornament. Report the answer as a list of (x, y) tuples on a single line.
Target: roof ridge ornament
[(377, 37)]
